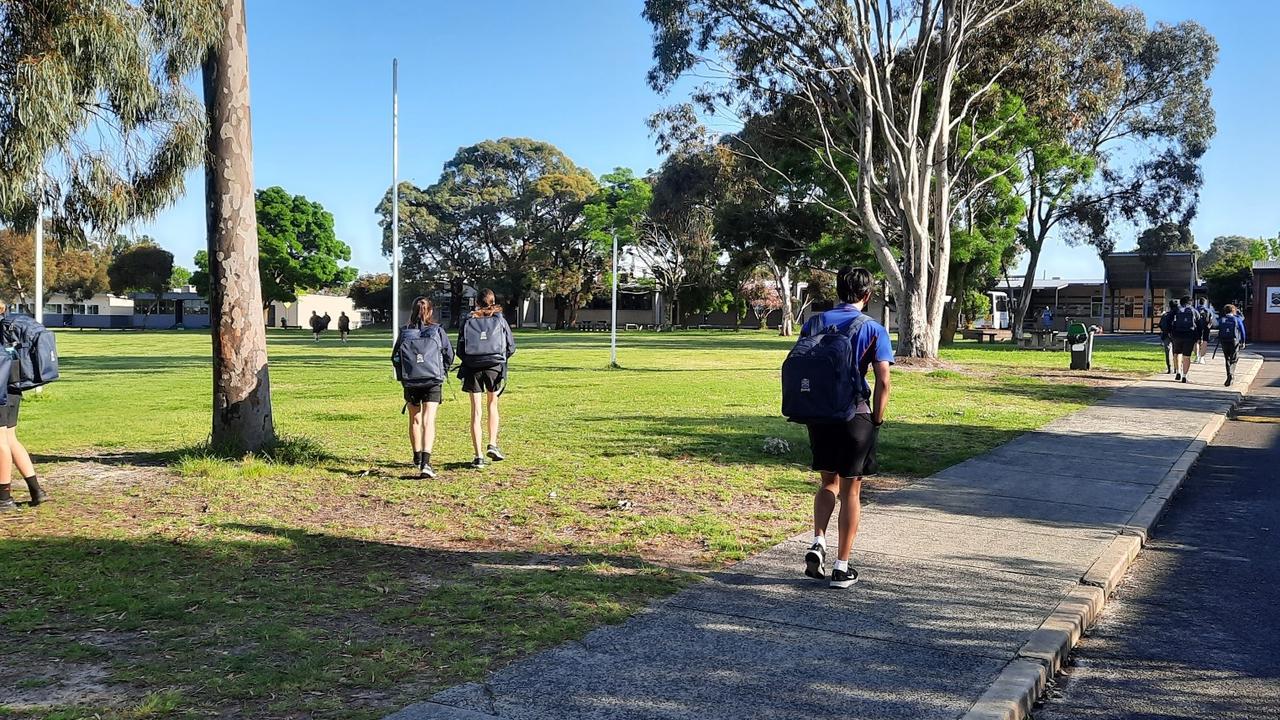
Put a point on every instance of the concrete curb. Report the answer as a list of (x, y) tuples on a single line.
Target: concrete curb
[(1021, 683)]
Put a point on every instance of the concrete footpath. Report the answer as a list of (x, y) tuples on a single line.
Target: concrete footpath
[(1191, 633), (975, 584)]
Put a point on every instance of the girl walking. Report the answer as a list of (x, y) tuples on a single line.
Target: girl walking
[(422, 356), (485, 343)]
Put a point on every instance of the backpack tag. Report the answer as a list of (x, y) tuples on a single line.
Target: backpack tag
[(420, 359), (804, 385), (484, 335)]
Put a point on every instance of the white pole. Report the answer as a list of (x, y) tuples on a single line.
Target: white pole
[(395, 199), (542, 300), (38, 305), (613, 313)]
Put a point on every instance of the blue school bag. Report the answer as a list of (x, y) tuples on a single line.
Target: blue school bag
[(818, 376), (6, 367), (419, 356), (1227, 328), (34, 352)]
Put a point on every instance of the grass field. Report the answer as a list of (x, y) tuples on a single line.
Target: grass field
[(163, 582)]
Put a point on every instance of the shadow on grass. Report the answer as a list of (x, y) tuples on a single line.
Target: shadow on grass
[(269, 622)]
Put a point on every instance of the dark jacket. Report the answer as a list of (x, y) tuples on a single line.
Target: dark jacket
[(344, 323)]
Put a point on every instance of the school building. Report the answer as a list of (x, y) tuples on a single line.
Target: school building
[(181, 308), (1263, 317)]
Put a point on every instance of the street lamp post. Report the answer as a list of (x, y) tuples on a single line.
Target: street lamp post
[(395, 199), (613, 313), (37, 308)]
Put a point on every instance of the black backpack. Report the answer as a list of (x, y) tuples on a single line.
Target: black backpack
[(484, 341), (1184, 321), (35, 352), (819, 376), (419, 356)]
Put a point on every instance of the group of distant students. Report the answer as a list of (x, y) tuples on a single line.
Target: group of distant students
[(319, 323), (1185, 331)]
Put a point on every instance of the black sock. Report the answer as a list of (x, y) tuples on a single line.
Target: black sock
[(417, 457), (33, 486), (426, 458), (5, 493)]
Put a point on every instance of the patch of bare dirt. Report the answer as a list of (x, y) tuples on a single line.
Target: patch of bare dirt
[(37, 685)]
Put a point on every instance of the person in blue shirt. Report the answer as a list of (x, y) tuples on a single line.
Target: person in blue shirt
[(1231, 339), (1046, 318), (843, 453)]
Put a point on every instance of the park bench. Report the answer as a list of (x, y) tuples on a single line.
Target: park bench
[(987, 336)]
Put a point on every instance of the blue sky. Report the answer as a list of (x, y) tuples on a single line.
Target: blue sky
[(572, 72)]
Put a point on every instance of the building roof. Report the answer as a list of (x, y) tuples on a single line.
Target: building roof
[(1052, 283), (1266, 265), (1171, 270)]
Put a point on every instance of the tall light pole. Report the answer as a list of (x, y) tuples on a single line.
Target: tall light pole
[(395, 199), (613, 313), (38, 306)]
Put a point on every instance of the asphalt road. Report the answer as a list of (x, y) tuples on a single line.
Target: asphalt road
[(1194, 630)]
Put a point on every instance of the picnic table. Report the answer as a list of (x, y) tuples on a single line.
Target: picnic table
[(986, 336)]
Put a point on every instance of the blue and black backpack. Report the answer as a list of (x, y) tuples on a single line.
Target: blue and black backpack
[(1227, 328), (33, 351), (819, 376), (418, 356)]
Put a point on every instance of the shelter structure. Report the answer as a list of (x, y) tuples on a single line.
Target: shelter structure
[(1264, 317), (1136, 287)]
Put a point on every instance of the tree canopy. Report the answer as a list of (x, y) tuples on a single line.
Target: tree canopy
[(142, 269)]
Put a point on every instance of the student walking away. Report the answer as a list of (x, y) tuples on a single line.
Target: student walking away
[(1046, 318), (1206, 316), (1186, 328), (344, 327), (824, 386), (317, 325), (1166, 335), (325, 322), (28, 359), (1230, 339), (485, 343), (422, 355)]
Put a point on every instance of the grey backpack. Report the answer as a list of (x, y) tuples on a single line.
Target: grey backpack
[(484, 341)]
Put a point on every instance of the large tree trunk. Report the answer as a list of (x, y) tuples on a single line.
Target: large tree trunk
[(951, 313), (242, 419), (782, 275)]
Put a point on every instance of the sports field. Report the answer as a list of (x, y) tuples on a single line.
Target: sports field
[(161, 582)]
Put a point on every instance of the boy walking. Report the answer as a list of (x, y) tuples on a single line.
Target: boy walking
[(844, 452), (1186, 326), (1205, 314), (344, 327), (12, 451), (1230, 339)]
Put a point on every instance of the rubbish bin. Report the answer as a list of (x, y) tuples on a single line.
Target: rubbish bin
[(1080, 340)]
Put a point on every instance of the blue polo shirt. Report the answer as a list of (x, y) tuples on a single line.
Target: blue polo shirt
[(872, 343)]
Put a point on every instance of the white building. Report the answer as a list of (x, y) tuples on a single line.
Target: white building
[(298, 313)]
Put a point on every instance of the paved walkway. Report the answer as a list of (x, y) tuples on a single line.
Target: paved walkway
[(958, 571), (1192, 632)]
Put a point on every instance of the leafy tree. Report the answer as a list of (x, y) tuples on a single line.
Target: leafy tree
[(435, 251), (886, 91), (1222, 246), (81, 275), (1122, 117), (676, 243), (298, 247), (142, 269), (181, 277), (621, 208), (94, 109), (1155, 242), (373, 293), (1229, 277), (510, 195), (762, 297), (570, 256), (200, 277), (17, 266), (242, 418)]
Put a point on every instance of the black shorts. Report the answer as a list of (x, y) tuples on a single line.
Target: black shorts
[(9, 411), (477, 380), (1185, 344), (1204, 334), (847, 449), (424, 394)]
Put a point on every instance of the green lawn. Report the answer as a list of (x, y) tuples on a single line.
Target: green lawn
[(166, 583)]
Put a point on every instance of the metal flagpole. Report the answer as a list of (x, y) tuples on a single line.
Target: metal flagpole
[(613, 314), (38, 305), (395, 199)]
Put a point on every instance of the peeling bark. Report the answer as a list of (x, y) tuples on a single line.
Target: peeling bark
[(242, 420)]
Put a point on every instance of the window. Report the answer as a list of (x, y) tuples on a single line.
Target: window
[(55, 308), (91, 310), (1128, 307), (627, 300)]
